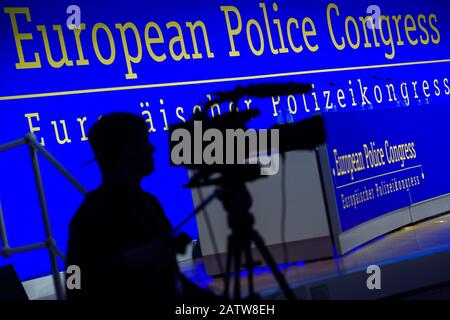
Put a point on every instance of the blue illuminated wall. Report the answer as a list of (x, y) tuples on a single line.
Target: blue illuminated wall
[(47, 98), (400, 158)]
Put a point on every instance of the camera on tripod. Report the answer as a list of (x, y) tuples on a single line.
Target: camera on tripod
[(207, 147), (225, 149)]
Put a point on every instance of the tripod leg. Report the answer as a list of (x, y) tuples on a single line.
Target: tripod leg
[(259, 242), (228, 268), (237, 253), (249, 265)]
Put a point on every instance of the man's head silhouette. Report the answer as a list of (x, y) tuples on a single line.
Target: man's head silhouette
[(121, 146)]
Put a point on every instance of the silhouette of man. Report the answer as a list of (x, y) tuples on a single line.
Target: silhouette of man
[(120, 236)]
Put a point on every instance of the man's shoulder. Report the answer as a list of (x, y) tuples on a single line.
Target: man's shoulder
[(153, 200), (150, 196), (95, 198), (93, 205)]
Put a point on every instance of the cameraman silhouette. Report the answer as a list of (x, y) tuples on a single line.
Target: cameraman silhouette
[(120, 237)]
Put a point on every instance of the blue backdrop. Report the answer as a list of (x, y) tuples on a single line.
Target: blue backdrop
[(50, 98)]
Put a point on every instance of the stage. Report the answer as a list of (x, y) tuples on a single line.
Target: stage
[(414, 263)]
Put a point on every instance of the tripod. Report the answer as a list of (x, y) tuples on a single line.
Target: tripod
[(237, 201)]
